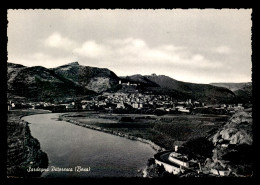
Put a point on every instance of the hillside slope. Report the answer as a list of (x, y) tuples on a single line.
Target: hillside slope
[(243, 91), (233, 145), (71, 80), (92, 78), (232, 86), (184, 90), (39, 83)]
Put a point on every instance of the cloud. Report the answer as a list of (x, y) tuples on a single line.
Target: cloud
[(222, 50), (136, 51), (127, 41), (92, 50), (56, 40), (130, 56)]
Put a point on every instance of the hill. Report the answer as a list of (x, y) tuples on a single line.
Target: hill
[(184, 90), (232, 86), (40, 84), (243, 91), (70, 80), (73, 80), (92, 78), (142, 80)]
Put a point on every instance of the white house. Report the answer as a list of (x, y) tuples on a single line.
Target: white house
[(179, 159)]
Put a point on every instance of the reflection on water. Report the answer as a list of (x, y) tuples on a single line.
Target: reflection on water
[(99, 154)]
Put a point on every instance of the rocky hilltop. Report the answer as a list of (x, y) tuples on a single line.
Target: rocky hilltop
[(233, 145), (38, 84), (92, 78), (71, 80)]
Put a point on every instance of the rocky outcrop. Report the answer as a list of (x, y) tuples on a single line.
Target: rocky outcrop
[(237, 131), (233, 146), (99, 84), (91, 78), (23, 151)]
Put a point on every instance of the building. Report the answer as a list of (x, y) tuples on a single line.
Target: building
[(68, 106), (188, 101), (13, 105), (179, 159), (184, 110), (175, 169), (220, 172), (120, 105), (9, 106), (176, 162), (135, 105), (179, 107), (84, 106), (223, 106)]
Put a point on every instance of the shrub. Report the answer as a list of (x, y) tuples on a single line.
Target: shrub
[(198, 148)]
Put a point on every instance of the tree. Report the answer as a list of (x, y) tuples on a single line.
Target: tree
[(151, 161), (155, 170), (198, 148)]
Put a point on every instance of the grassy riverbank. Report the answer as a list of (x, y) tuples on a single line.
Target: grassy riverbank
[(164, 131), (23, 151)]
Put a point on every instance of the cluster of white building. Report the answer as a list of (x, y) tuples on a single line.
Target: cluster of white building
[(135, 100), (176, 163)]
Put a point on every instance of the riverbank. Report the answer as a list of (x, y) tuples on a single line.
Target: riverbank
[(23, 150), (69, 145), (110, 131), (162, 131)]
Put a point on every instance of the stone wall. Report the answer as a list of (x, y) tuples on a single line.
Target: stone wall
[(169, 168)]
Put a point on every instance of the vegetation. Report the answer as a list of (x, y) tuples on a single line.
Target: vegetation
[(23, 151), (163, 133), (155, 170), (198, 148)]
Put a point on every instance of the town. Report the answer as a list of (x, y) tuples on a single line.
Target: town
[(130, 100), (129, 103)]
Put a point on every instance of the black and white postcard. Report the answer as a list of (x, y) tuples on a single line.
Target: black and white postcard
[(127, 93)]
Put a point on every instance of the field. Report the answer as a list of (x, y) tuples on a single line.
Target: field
[(165, 131)]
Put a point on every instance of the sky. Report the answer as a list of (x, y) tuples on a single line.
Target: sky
[(192, 45)]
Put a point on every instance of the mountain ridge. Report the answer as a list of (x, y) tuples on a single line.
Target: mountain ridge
[(232, 85), (73, 79), (201, 92), (242, 90)]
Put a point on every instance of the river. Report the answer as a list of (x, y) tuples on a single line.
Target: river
[(100, 154)]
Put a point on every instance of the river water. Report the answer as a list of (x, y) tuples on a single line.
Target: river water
[(100, 154)]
